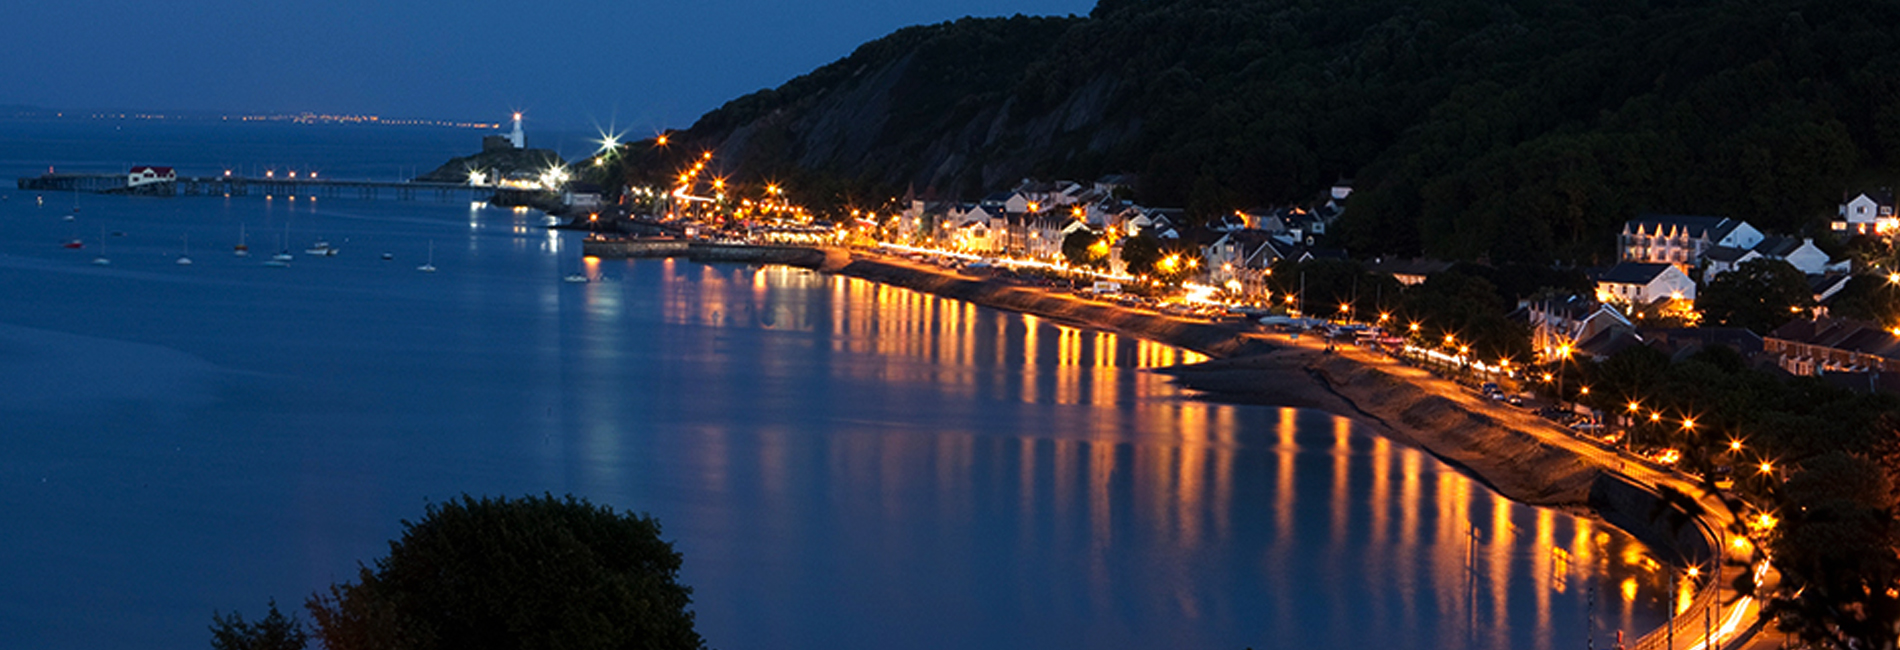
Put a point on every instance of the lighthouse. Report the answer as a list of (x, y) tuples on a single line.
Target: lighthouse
[(516, 138)]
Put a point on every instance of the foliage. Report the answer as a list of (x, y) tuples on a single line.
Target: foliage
[(1081, 249), (1867, 298), (1759, 295), (1140, 252), (1839, 453), (498, 573), (1836, 553), (1468, 307), (1472, 129), (274, 632)]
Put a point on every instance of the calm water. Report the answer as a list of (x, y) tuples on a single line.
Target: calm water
[(844, 465)]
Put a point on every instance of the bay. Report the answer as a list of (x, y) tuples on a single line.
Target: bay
[(843, 464)]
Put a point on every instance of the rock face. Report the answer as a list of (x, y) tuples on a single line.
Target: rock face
[(495, 163)]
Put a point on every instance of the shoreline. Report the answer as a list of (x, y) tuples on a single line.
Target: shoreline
[(1251, 367), (1514, 453)]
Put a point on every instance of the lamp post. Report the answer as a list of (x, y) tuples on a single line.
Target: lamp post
[(1563, 359)]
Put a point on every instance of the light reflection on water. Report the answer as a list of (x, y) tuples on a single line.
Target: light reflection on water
[(1216, 524), (844, 464)]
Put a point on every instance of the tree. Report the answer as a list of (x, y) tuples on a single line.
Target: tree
[(1835, 550), (495, 573), (274, 632), (1085, 248), (1140, 252), (1760, 295)]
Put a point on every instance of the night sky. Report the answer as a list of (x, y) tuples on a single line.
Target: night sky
[(639, 65)]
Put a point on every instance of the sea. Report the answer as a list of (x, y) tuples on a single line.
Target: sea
[(842, 464)]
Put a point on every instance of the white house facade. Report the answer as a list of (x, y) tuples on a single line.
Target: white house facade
[(1638, 283)]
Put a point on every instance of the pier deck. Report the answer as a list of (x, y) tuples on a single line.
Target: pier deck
[(247, 186)]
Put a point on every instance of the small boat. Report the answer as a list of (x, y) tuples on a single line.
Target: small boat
[(277, 263), (184, 258), (429, 266), (283, 257), (74, 243), (575, 278), (241, 249), (101, 259), (389, 256), (67, 218), (322, 248)]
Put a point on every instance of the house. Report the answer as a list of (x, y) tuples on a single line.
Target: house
[(1240, 261), (581, 196), (1341, 190), (1866, 213), (1800, 253), (1568, 321), (1681, 240), (1679, 343), (1814, 347), (975, 236), (1407, 271), (1300, 226), (143, 175), (1825, 285), (1637, 283)]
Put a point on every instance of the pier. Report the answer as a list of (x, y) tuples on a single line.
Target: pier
[(704, 251), (246, 186)]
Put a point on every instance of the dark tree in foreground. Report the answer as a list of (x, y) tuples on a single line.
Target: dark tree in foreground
[(275, 632), (1835, 552), (534, 572)]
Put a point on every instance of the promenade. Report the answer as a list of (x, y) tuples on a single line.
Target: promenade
[(1306, 371)]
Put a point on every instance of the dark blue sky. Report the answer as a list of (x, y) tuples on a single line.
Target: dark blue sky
[(640, 64)]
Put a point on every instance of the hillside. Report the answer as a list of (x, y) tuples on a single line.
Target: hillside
[(1513, 131)]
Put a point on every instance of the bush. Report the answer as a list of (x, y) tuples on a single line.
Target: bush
[(534, 572)]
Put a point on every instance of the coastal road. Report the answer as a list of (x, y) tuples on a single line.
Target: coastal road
[(1737, 614)]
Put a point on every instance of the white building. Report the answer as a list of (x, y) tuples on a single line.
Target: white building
[(1638, 283), (1866, 213), (1681, 240), (1801, 253), (143, 175)]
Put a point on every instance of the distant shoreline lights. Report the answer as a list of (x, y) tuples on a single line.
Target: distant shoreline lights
[(291, 118)]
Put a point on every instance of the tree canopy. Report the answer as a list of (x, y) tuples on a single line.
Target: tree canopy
[(1471, 129), (1760, 295), (507, 574)]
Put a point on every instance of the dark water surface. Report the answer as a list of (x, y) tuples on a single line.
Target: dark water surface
[(844, 465)]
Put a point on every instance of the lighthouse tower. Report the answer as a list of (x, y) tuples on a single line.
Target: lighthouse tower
[(516, 138)]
